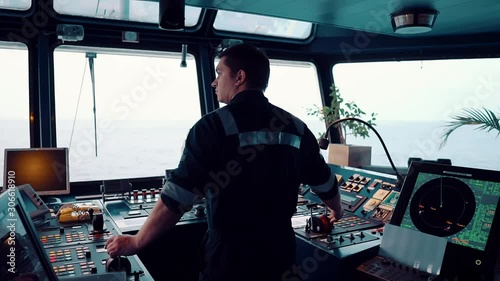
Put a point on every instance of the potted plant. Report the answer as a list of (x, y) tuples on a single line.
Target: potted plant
[(342, 153), (484, 118)]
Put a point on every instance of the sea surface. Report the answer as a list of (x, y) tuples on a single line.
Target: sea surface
[(148, 148)]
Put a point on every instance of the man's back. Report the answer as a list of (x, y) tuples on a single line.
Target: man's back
[(247, 160), (253, 186)]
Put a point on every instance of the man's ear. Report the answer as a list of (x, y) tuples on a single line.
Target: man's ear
[(241, 77)]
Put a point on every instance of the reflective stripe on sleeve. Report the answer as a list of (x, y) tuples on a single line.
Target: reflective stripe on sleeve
[(325, 187), (179, 194)]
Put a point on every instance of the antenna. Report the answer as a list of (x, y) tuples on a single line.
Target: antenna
[(183, 56), (91, 57)]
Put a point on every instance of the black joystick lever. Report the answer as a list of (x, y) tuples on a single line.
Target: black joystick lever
[(199, 210), (91, 214), (98, 223), (319, 224), (118, 264)]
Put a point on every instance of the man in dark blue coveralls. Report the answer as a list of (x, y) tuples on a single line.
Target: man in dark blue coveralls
[(248, 160)]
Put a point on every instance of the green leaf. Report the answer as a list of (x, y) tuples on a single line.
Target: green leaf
[(338, 109), (484, 118)]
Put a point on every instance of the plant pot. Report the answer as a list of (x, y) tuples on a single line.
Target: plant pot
[(349, 155)]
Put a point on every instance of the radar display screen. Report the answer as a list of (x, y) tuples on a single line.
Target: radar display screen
[(456, 203)]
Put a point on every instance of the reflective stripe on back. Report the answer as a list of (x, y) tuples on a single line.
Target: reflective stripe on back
[(228, 121), (269, 138), (260, 137)]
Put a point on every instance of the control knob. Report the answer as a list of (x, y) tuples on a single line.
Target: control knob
[(199, 210), (98, 222), (118, 264)]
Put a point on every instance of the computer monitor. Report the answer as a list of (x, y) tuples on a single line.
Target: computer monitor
[(45, 169), (22, 257), (459, 204)]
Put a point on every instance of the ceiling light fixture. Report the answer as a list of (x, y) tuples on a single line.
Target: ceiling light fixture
[(172, 14), (413, 22)]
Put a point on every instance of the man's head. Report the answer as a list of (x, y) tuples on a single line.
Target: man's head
[(241, 67)]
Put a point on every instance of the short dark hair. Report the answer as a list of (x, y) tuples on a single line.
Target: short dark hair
[(250, 59)]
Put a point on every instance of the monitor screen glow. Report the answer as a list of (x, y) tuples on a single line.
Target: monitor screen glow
[(45, 169), (459, 204)]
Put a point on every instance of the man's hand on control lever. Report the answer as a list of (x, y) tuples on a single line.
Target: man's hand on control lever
[(335, 207)]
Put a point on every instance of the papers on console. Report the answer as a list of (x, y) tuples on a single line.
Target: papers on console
[(413, 248)]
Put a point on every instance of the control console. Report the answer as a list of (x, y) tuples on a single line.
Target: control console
[(54, 250), (131, 213), (77, 248), (143, 199), (368, 199), (383, 269)]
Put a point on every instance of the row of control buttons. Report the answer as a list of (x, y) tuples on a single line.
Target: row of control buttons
[(350, 221), (387, 270), (69, 269), (51, 239), (60, 255), (65, 255), (73, 236), (145, 196)]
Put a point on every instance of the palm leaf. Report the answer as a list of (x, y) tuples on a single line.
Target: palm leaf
[(484, 118)]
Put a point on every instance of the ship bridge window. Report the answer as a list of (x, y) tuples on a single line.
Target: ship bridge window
[(137, 11), (21, 5), (294, 86), (145, 104), (261, 25), (415, 100), (14, 98)]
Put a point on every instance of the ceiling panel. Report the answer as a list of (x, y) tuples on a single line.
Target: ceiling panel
[(455, 16)]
